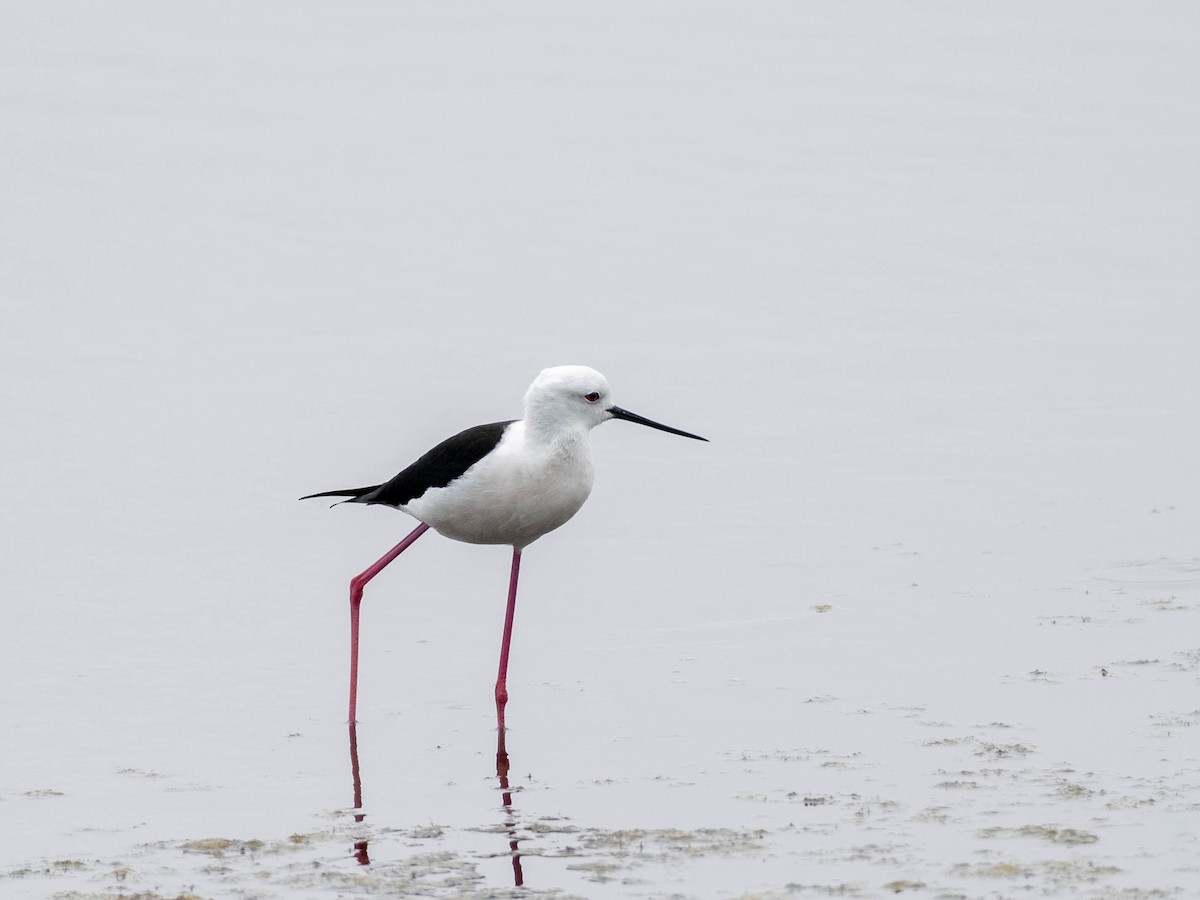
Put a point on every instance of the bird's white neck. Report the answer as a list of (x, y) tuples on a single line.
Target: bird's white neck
[(543, 426)]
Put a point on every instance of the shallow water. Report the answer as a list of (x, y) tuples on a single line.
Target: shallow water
[(922, 617)]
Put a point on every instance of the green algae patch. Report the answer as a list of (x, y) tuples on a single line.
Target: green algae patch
[(1045, 832), (668, 842), (218, 847), (991, 870), (899, 887)]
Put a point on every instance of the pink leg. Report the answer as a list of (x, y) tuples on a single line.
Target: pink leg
[(357, 583), (501, 686)]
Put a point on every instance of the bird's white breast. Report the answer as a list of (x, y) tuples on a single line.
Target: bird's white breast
[(523, 489)]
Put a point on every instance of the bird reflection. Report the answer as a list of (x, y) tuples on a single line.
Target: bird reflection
[(363, 858), (360, 847), (510, 815)]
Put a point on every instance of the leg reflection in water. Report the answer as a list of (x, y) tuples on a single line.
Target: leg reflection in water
[(510, 817), (360, 847), (361, 854)]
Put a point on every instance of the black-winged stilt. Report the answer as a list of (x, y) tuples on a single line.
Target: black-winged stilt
[(504, 483)]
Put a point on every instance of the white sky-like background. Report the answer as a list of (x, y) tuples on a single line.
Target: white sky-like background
[(926, 275)]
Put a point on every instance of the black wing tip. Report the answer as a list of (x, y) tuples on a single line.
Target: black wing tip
[(349, 493), (325, 494)]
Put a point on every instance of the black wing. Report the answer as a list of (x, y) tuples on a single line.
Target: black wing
[(437, 468)]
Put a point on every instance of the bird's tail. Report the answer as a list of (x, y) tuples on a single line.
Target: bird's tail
[(351, 494)]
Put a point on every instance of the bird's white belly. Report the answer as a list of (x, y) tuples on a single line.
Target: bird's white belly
[(508, 499)]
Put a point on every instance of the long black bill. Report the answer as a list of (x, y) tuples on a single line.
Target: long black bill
[(617, 413)]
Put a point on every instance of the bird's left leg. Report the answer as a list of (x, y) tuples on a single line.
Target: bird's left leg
[(501, 678)]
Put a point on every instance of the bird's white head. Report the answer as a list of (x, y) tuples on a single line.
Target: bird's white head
[(572, 400), (567, 399)]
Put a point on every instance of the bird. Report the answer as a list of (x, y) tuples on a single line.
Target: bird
[(507, 482)]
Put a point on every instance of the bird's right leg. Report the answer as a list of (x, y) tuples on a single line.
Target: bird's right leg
[(357, 583)]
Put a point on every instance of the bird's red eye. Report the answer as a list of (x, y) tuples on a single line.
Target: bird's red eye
[(592, 397)]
